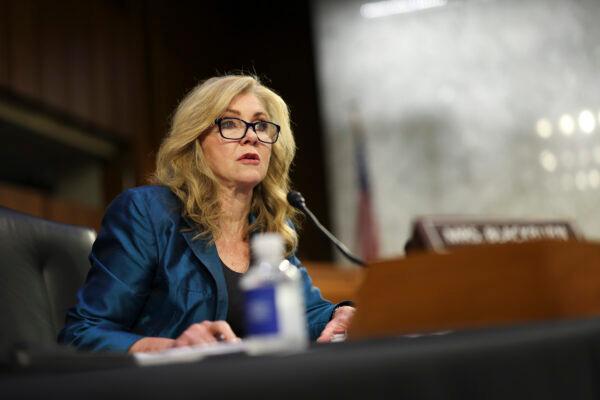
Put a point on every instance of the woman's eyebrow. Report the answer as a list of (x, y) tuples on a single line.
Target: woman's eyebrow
[(236, 112)]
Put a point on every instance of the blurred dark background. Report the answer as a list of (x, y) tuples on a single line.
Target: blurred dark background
[(87, 90)]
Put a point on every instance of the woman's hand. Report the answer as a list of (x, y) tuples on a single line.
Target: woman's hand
[(150, 344), (206, 332), (201, 333), (340, 322)]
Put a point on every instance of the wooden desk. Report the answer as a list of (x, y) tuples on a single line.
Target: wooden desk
[(337, 283)]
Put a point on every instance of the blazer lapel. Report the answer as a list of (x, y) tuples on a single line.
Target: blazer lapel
[(208, 256)]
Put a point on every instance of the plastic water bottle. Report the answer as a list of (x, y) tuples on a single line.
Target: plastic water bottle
[(274, 301)]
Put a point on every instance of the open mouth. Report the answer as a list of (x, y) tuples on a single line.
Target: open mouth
[(249, 156)]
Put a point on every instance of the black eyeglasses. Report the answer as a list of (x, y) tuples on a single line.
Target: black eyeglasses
[(235, 129)]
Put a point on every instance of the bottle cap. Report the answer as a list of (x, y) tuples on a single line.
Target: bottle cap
[(267, 247)]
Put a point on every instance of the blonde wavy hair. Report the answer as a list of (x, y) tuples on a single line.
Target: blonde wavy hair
[(181, 166)]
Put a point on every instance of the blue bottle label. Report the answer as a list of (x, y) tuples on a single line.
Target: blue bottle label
[(261, 311)]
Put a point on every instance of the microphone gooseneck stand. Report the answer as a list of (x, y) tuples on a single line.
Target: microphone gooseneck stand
[(297, 200)]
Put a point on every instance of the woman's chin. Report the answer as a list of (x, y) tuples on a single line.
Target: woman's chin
[(248, 182)]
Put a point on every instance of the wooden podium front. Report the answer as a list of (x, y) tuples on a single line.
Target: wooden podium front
[(479, 286)]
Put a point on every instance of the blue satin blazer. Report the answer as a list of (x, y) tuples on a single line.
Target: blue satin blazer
[(148, 277)]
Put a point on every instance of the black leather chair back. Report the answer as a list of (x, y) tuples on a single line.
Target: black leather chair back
[(42, 264)]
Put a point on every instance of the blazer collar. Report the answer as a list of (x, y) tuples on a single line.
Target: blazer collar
[(207, 253), (208, 256)]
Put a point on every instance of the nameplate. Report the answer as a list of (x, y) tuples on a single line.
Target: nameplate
[(440, 233)]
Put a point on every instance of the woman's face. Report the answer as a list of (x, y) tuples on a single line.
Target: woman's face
[(239, 164)]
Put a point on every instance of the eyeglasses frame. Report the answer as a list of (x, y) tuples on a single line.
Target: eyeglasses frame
[(248, 125)]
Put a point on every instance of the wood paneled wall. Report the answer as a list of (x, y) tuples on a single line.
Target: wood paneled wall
[(85, 59), (39, 204), (73, 56), (4, 43)]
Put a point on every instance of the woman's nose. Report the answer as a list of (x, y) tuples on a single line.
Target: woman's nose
[(251, 137)]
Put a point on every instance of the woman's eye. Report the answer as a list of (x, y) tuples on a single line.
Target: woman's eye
[(261, 126), (228, 124)]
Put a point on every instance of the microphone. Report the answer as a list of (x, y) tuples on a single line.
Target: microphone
[(297, 201)]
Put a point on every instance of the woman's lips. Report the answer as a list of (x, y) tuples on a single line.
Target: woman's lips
[(250, 159)]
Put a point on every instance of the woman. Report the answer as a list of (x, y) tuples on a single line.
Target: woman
[(167, 260)]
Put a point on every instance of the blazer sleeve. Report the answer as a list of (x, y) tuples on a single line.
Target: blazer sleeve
[(123, 263), (318, 310)]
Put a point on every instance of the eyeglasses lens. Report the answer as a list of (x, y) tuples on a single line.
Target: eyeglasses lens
[(233, 128)]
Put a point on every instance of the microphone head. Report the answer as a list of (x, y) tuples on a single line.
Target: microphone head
[(296, 199)]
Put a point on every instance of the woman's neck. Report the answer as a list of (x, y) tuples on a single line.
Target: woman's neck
[(235, 207)]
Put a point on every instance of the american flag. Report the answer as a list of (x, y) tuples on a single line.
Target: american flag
[(366, 224)]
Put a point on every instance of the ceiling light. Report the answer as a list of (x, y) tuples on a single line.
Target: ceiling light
[(548, 160), (543, 128), (566, 123), (384, 8), (587, 122)]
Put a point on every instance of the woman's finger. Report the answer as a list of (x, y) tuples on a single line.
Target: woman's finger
[(327, 332), (223, 331), (196, 334), (339, 323), (343, 316)]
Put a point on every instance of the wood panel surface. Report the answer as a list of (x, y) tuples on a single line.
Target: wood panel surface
[(101, 50), (337, 283), (479, 287), (69, 212), (4, 31), (25, 200), (23, 48), (52, 61), (39, 204), (77, 20)]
